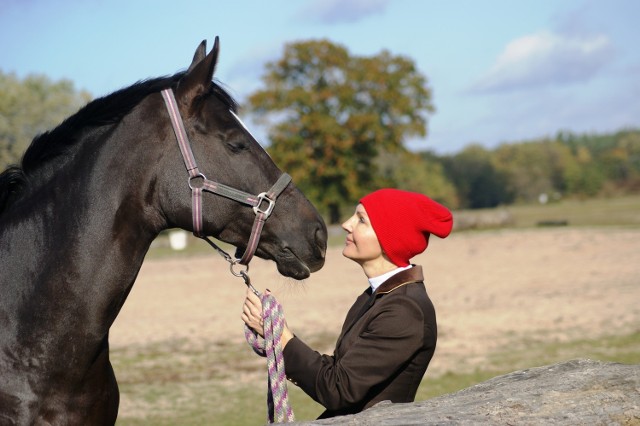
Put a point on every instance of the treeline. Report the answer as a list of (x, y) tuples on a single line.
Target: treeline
[(544, 170), (31, 106)]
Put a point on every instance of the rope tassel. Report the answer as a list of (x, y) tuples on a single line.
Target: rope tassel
[(278, 407)]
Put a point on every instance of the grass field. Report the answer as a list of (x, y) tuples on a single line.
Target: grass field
[(593, 212)]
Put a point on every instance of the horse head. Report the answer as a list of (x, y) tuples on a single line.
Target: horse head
[(294, 236)]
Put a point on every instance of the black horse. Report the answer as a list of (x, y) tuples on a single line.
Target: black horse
[(78, 216)]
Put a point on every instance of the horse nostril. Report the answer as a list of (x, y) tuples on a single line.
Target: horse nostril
[(321, 239)]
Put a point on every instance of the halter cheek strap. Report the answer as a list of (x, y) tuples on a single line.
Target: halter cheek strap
[(262, 203)]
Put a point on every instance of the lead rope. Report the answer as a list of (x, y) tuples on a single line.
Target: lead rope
[(278, 407)]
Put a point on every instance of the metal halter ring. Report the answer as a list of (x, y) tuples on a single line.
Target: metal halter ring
[(198, 176), (244, 275), (263, 197), (241, 273)]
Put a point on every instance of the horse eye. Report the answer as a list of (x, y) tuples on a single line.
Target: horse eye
[(237, 145)]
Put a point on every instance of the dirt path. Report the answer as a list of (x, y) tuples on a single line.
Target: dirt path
[(489, 289)]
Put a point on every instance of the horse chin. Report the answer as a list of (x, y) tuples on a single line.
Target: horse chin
[(287, 262), (290, 266)]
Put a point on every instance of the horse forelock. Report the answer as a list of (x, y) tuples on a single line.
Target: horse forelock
[(219, 92), (101, 112)]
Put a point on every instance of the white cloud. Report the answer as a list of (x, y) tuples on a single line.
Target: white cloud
[(546, 59)]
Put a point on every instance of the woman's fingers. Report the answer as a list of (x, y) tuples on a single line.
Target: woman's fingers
[(255, 300), (252, 312)]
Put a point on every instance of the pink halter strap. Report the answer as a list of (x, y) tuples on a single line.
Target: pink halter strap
[(262, 203)]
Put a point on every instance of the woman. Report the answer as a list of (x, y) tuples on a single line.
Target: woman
[(389, 334)]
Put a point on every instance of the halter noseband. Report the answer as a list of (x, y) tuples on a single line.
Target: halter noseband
[(198, 183)]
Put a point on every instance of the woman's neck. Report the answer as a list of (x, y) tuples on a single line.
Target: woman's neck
[(377, 267)]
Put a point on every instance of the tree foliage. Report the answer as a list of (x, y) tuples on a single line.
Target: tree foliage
[(331, 114), (566, 166), (533, 168), (604, 163), (478, 182), (421, 172), (29, 107)]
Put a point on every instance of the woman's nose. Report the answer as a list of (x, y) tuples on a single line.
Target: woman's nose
[(346, 225)]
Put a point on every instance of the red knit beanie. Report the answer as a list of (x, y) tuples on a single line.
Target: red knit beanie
[(404, 220)]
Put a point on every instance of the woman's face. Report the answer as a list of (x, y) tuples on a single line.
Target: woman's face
[(362, 243)]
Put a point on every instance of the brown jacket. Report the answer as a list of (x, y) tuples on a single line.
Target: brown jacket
[(386, 343)]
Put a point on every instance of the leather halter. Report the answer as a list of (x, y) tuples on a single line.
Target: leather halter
[(262, 203)]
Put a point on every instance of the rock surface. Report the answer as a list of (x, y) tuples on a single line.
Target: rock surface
[(578, 392)]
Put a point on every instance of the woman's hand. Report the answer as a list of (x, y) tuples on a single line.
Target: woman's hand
[(252, 316), (252, 313)]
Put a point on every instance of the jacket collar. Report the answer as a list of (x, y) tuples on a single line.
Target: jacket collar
[(400, 279), (407, 276)]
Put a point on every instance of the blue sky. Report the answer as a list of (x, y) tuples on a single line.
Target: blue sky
[(500, 70)]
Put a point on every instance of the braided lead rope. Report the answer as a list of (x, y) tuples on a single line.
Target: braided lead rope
[(278, 407)]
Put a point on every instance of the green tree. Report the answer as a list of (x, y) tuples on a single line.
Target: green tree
[(29, 107), (535, 167), (419, 172), (331, 113), (479, 184), (629, 143), (584, 178)]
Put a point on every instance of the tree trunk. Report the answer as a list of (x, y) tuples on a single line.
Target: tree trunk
[(334, 213)]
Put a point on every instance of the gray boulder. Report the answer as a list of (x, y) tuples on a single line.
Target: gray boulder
[(578, 392)]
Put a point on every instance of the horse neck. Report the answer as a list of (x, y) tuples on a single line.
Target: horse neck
[(76, 241)]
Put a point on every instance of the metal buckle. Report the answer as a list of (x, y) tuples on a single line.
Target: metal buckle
[(262, 197)]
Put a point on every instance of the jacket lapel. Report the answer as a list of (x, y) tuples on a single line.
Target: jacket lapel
[(366, 300)]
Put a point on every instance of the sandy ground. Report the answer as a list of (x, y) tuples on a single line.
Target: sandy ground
[(489, 288)]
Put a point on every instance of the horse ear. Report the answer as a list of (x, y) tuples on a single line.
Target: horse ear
[(198, 78), (201, 52)]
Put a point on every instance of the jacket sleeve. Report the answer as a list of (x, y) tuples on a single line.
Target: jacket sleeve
[(392, 335)]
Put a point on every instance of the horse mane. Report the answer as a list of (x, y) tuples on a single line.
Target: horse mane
[(104, 111)]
